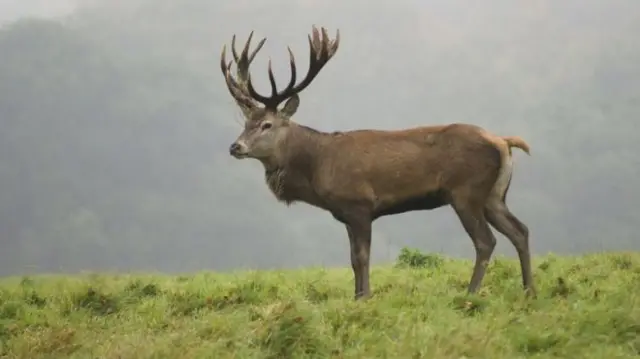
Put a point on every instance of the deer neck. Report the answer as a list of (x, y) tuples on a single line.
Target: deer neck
[(289, 174)]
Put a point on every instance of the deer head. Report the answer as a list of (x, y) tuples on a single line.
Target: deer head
[(266, 127)]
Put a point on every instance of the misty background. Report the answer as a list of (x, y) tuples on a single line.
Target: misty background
[(115, 125)]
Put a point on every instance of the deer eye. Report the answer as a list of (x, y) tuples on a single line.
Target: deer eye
[(265, 126)]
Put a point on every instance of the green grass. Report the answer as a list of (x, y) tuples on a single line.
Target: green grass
[(588, 307)]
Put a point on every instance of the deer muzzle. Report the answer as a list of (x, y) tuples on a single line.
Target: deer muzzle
[(238, 150)]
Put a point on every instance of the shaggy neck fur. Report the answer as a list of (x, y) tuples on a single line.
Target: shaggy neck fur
[(289, 173)]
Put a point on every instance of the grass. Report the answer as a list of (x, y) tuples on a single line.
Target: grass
[(588, 307)]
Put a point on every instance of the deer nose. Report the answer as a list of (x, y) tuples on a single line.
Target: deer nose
[(234, 148)]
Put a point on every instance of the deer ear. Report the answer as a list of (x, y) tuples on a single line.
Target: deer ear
[(290, 107)]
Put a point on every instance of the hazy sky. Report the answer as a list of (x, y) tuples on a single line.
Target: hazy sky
[(14, 9)]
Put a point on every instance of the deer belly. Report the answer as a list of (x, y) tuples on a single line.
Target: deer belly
[(419, 202)]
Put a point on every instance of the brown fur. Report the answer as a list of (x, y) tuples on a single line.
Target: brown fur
[(517, 141), (359, 176)]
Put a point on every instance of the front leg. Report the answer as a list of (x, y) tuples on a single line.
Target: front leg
[(360, 242)]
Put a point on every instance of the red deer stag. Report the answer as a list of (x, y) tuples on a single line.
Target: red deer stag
[(361, 175)]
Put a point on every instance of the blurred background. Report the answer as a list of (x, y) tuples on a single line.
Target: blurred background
[(115, 123)]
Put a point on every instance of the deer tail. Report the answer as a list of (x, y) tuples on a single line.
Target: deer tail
[(517, 141)]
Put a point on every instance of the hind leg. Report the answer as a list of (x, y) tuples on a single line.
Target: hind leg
[(475, 224), (517, 232)]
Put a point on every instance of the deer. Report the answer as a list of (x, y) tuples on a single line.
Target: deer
[(361, 175)]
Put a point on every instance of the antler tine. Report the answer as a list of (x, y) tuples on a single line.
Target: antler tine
[(236, 58), (238, 86), (321, 50), (276, 98), (331, 46), (315, 38), (244, 60), (272, 80), (225, 68), (234, 88)]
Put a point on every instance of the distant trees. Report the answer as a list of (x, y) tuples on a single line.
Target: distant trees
[(114, 126)]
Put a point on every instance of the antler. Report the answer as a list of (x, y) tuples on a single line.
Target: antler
[(238, 88), (321, 50)]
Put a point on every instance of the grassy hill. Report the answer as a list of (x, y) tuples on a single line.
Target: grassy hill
[(588, 307)]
